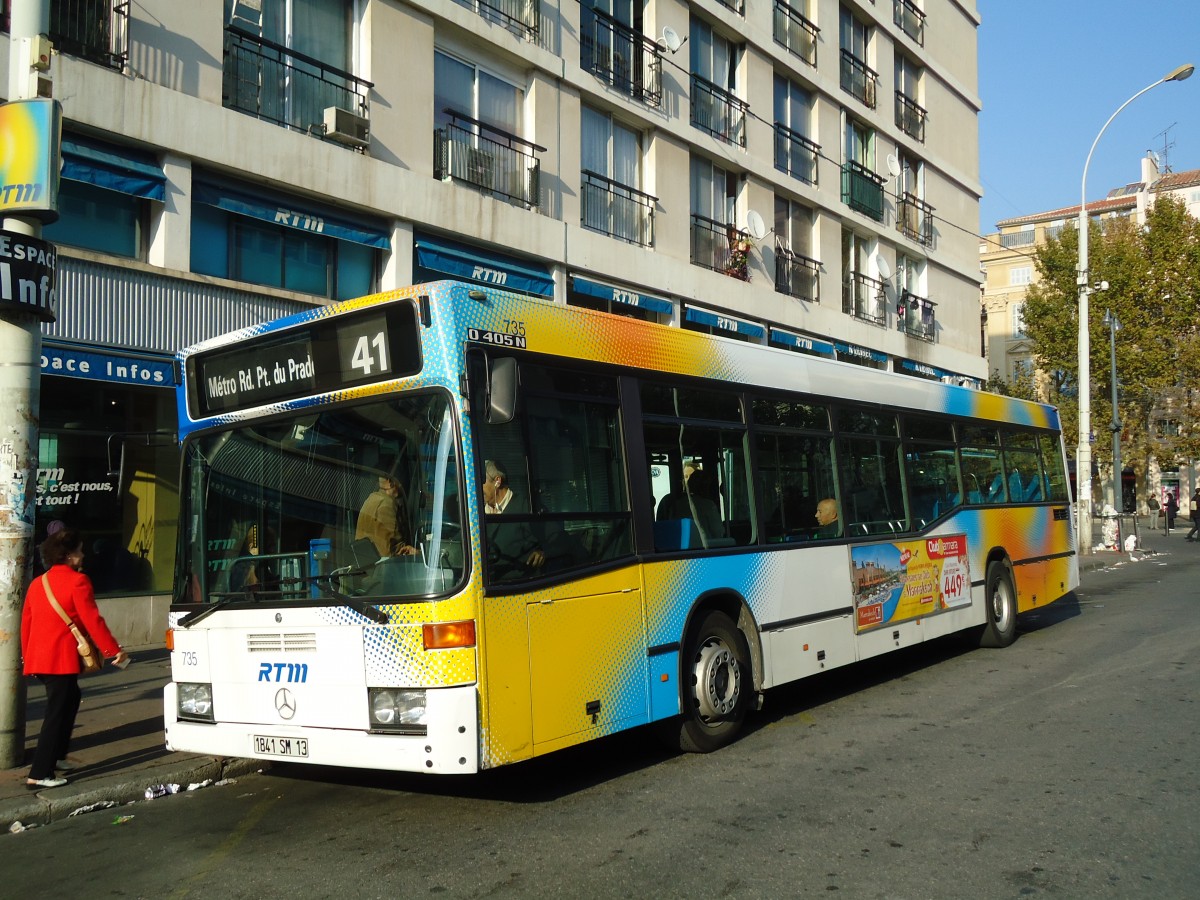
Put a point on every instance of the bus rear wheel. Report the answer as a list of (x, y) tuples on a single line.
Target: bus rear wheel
[(1001, 627), (717, 684)]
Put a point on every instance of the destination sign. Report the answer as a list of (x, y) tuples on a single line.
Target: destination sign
[(315, 358)]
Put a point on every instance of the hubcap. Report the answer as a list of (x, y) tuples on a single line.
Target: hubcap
[(718, 680), (1001, 608)]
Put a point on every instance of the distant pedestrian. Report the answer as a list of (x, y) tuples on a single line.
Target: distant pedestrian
[(1172, 509), (1195, 514), (1155, 511), (50, 651)]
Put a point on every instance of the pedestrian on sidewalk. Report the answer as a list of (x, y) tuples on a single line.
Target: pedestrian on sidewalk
[(1195, 513), (1172, 509), (50, 651), (1153, 505)]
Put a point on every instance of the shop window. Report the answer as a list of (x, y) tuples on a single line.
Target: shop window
[(94, 218)]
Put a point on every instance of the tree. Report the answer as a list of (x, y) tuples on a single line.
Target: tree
[(1153, 276)]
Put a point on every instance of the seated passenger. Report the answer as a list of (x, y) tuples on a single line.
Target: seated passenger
[(828, 525), (511, 546), (695, 502)]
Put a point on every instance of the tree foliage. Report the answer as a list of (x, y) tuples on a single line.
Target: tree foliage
[(1153, 276)]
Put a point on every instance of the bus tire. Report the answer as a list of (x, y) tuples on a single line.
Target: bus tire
[(717, 685), (1001, 602)]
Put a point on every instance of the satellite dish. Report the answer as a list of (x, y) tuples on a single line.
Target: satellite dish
[(885, 270), (893, 164), (671, 39), (755, 225)]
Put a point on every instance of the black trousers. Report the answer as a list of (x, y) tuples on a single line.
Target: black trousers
[(62, 704)]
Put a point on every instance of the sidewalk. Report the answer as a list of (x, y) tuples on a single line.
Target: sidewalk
[(118, 739), (118, 744)]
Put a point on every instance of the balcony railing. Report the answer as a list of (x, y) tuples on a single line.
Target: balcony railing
[(521, 17), (95, 30), (797, 276), (617, 210), (500, 163), (915, 317), (914, 219), (911, 20), (858, 78), (910, 117), (1023, 238), (795, 154), (626, 59), (863, 297), (862, 190), (735, 6), (720, 247), (796, 33), (718, 112), (273, 83)]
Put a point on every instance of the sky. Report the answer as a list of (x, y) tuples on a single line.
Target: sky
[(1051, 72)]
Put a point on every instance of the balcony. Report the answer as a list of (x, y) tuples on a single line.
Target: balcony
[(795, 154), (914, 219), (915, 317), (858, 79), (863, 297), (909, 117), (910, 19), (797, 276), (1023, 238), (499, 163), (624, 58), (720, 247), (796, 33), (734, 6), (270, 82), (616, 210), (95, 30), (862, 190), (718, 112), (521, 17)]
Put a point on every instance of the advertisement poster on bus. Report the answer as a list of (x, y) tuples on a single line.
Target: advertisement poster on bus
[(895, 582)]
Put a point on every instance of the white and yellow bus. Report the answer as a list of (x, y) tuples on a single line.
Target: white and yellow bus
[(598, 523)]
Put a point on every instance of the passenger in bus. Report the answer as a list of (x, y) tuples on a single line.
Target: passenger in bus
[(511, 545), (382, 519), (694, 501), (828, 524)]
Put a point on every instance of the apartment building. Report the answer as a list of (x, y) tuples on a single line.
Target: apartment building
[(799, 173)]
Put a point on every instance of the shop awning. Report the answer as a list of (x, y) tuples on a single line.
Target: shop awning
[(121, 169), (860, 352), (801, 342), (924, 369), (476, 264), (292, 212), (622, 295), (723, 323)]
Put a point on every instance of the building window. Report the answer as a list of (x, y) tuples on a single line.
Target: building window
[(95, 30), (288, 61), (795, 153), (862, 189), (914, 217), (612, 161), (93, 218), (796, 272), (794, 31), (247, 240), (910, 115), (1017, 312), (1020, 275), (715, 105), (857, 78), (613, 47), (717, 243)]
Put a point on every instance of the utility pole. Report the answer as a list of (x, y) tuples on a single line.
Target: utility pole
[(30, 122)]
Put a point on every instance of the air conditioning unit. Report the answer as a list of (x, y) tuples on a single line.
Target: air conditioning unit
[(346, 127)]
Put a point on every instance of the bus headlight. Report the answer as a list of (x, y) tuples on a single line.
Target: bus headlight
[(393, 709), (195, 701)]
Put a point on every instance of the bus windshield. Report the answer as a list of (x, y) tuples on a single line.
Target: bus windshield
[(361, 500)]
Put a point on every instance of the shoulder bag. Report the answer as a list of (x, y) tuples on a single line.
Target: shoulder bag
[(90, 659)]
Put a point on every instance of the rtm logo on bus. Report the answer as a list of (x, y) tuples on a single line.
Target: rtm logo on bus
[(292, 673)]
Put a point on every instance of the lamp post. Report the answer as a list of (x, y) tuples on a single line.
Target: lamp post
[(1083, 452), (1113, 327)]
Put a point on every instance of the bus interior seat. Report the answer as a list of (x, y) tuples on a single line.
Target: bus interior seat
[(1033, 490), (676, 534)]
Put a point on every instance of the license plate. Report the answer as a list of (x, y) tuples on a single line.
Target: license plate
[(280, 746)]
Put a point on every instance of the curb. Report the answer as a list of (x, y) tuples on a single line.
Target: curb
[(55, 804)]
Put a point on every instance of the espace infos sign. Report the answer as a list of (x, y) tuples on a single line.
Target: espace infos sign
[(27, 269)]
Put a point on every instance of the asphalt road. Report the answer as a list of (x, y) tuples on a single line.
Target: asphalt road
[(1063, 766)]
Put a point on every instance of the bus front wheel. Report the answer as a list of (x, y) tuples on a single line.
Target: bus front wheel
[(1001, 627), (717, 684)]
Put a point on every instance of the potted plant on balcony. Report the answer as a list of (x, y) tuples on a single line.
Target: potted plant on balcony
[(738, 264)]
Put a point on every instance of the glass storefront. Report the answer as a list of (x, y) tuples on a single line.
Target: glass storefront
[(108, 465)]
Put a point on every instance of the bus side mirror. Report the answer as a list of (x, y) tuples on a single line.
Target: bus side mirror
[(502, 390)]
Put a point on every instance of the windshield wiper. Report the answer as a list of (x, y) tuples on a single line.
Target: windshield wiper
[(226, 598), (254, 591)]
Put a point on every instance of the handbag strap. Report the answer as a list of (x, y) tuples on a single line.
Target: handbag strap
[(54, 600)]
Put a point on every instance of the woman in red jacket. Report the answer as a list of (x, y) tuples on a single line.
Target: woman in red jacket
[(51, 653)]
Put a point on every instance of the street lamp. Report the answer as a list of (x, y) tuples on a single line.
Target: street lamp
[(1113, 327), (1083, 452)]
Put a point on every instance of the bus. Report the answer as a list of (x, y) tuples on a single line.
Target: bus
[(595, 523)]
